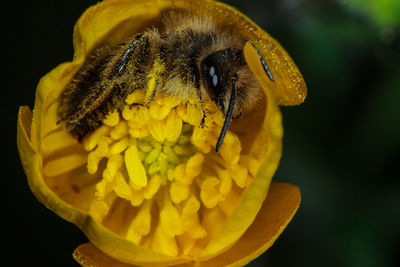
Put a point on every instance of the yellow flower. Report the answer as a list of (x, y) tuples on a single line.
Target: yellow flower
[(147, 187)]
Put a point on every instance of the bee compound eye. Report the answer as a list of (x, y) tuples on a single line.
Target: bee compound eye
[(212, 79), (216, 74)]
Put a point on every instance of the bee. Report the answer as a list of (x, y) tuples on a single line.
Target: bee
[(187, 56)]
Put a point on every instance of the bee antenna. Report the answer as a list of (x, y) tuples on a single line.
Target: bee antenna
[(228, 116), (264, 64)]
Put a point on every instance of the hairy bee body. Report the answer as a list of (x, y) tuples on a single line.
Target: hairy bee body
[(187, 56)]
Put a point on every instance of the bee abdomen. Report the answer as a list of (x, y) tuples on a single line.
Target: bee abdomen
[(102, 84)]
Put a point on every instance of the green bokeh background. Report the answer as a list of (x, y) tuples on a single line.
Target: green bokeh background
[(341, 147)]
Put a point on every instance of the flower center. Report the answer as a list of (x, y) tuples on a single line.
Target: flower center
[(161, 184), (163, 158)]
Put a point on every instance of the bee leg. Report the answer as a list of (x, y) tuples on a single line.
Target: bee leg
[(203, 119), (203, 110), (151, 96), (157, 75), (196, 82), (69, 120)]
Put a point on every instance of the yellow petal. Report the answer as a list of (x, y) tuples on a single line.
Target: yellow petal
[(64, 164), (32, 163), (102, 19)]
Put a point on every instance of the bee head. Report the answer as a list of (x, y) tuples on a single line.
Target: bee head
[(229, 83)]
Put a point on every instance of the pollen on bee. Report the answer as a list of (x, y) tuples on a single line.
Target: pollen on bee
[(159, 158)]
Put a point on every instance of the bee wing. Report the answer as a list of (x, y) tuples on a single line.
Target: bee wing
[(288, 86)]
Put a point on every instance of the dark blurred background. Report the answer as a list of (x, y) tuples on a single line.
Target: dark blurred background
[(341, 147)]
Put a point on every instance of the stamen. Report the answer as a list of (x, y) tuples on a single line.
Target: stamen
[(112, 119), (190, 218), (225, 179), (209, 193), (162, 107), (127, 113), (114, 163), (121, 187), (169, 216), (178, 192), (138, 133), (119, 146), (141, 224), (96, 155), (137, 198), (136, 97), (119, 131), (91, 141), (140, 118), (164, 243), (156, 130), (193, 165), (173, 126), (240, 176), (152, 187), (134, 166)]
